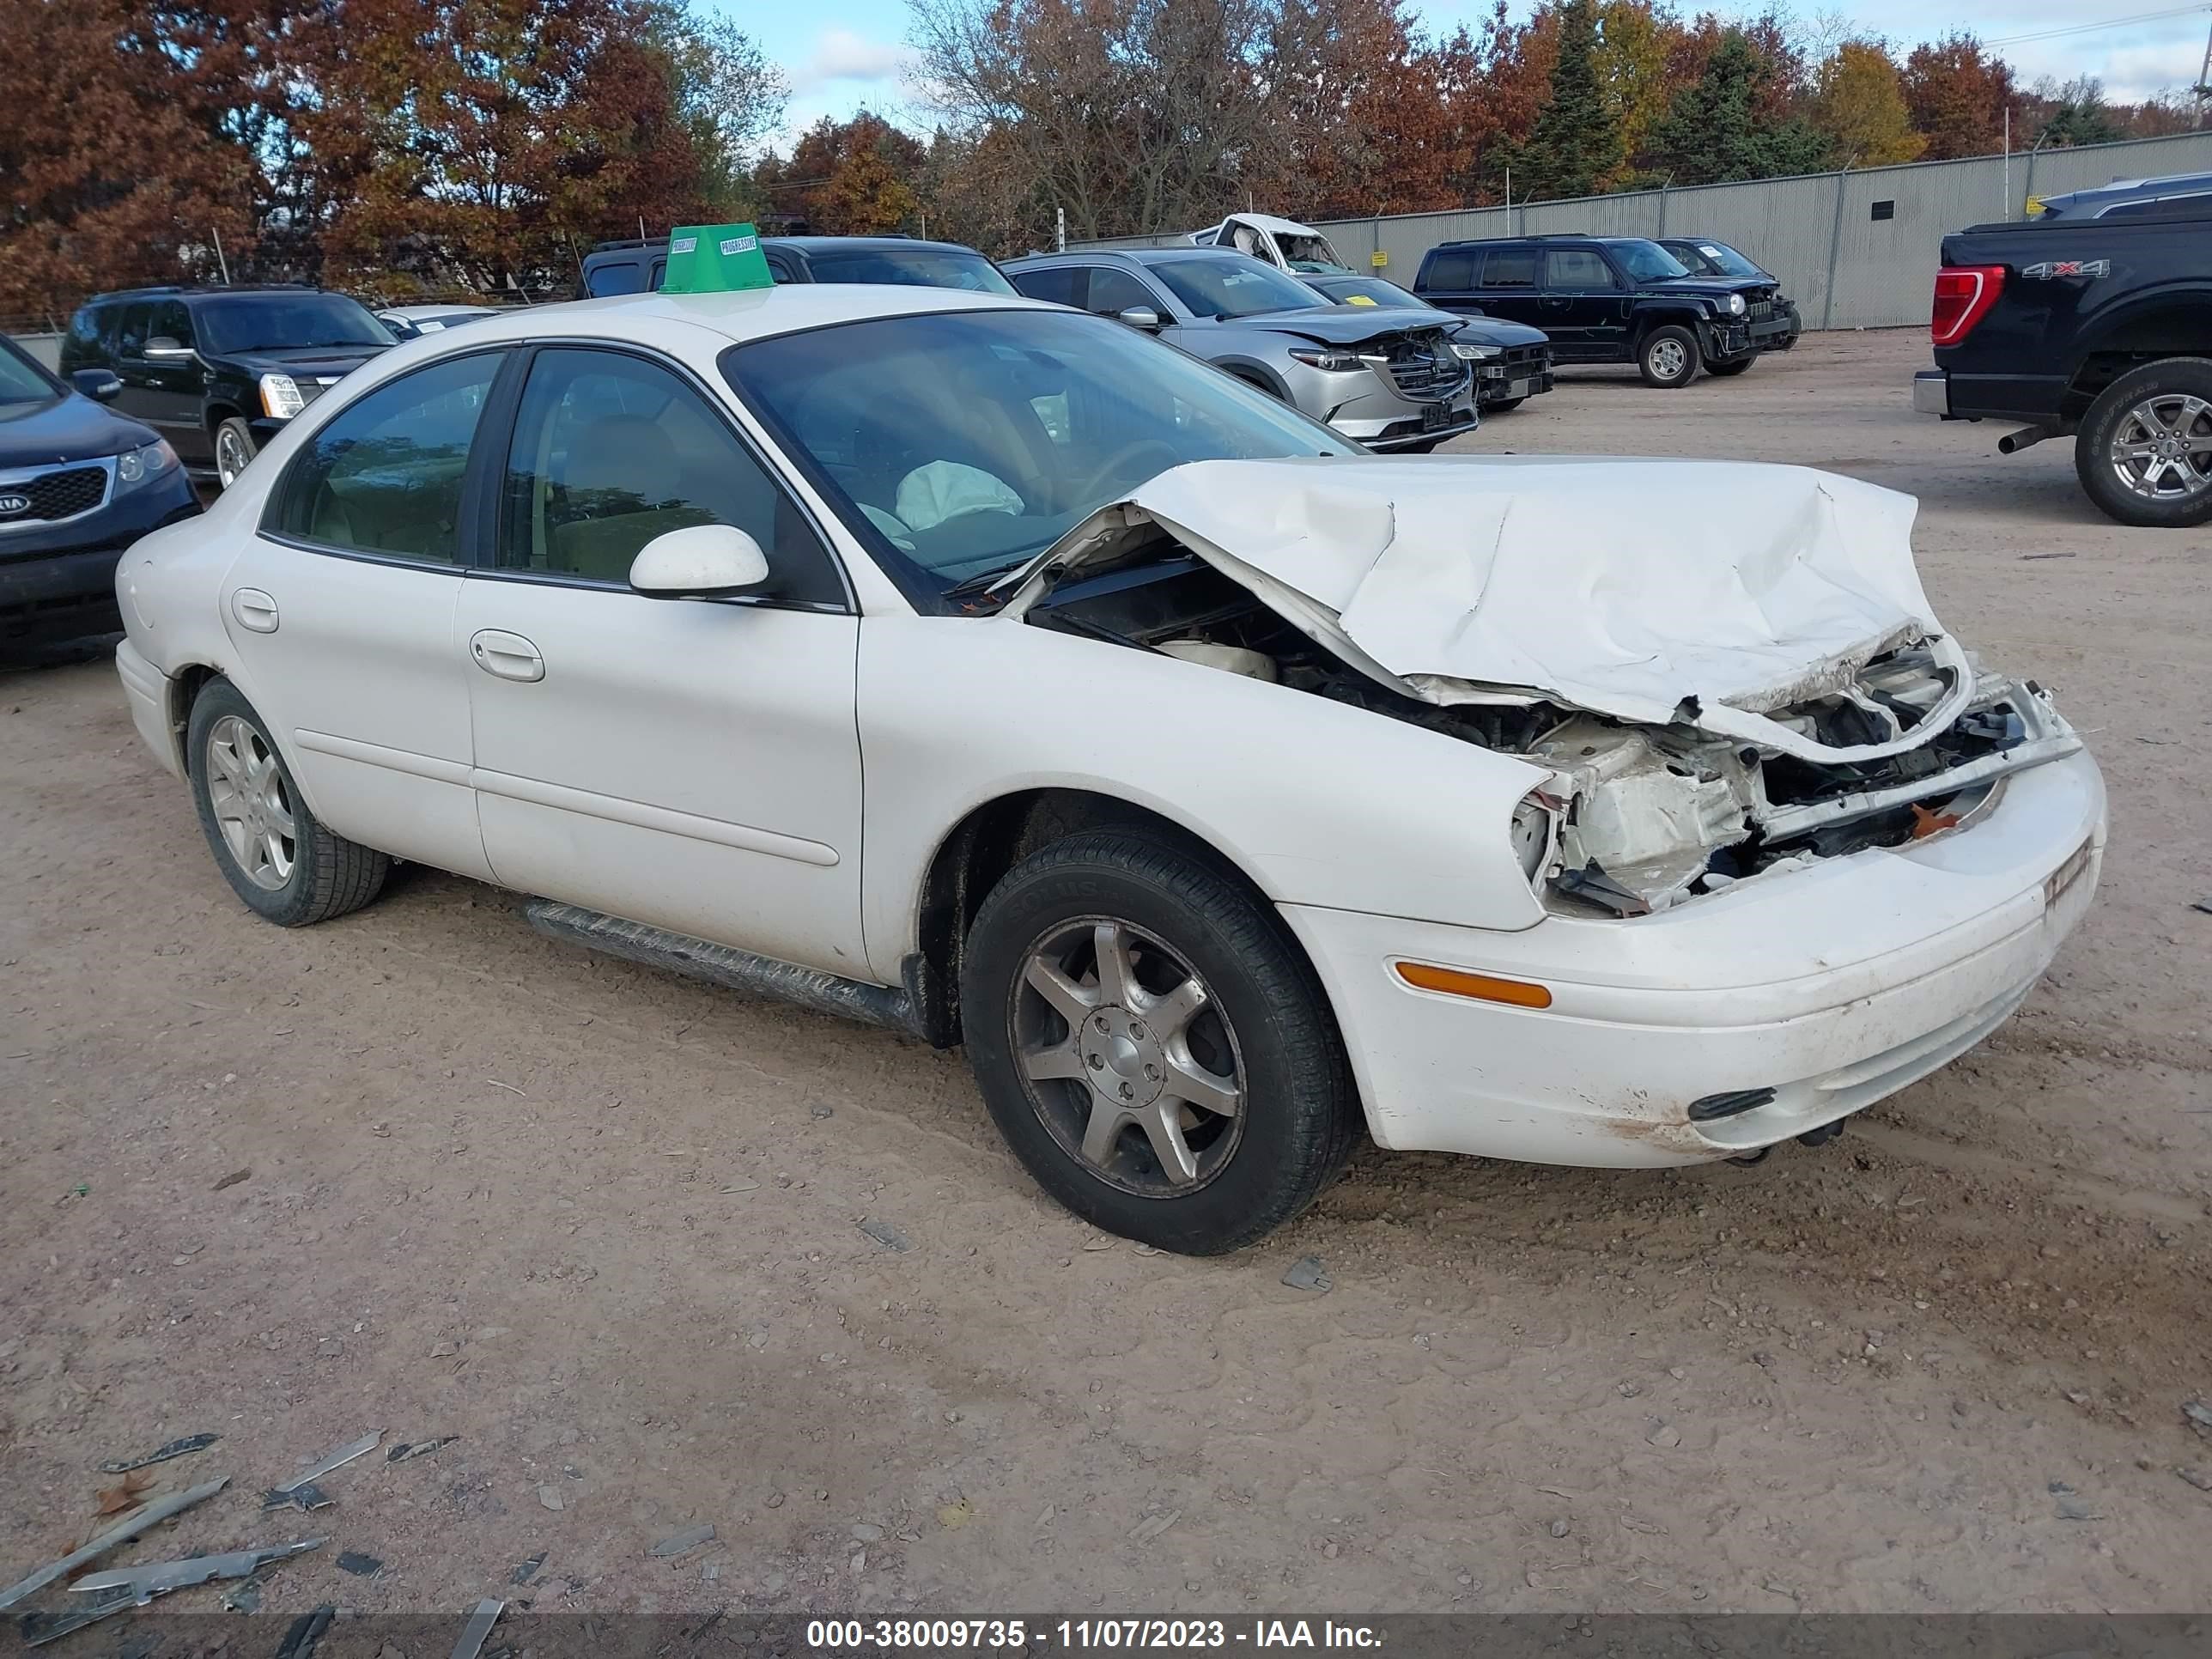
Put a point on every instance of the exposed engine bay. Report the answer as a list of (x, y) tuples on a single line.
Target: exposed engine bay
[(1637, 817)]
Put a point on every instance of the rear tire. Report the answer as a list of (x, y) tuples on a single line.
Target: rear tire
[(278, 857), (2158, 415), (1736, 367), (1668, 358), (1502, 405), (1193, 1093)]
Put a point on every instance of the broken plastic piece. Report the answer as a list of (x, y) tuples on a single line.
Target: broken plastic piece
[(361, 1566), (160, 1577), (38, 1629), (478, 1627), (191, 1442), (1306, 1275), (886, 1234), (1591, 883), (528, 1570), (159, 1510), (306, 1631), (332, 1460), (402, 1451), (304, 1497), (684, 1542)]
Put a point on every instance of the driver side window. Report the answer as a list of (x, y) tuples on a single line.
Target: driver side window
[(611, 451)]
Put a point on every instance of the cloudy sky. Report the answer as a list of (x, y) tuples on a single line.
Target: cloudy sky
[(842, 54)]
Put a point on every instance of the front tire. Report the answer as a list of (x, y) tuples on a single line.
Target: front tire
[(233, 448), (1735, 367), (276, 856), (2144, 451), (1503, 405), (1153, 1044), (1668, 357)]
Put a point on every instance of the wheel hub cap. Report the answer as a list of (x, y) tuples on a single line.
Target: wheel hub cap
[(1126, 1062)]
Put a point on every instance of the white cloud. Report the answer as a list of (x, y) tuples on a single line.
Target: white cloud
[(845, 55)]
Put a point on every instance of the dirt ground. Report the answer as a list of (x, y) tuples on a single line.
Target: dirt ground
[(422, 1170)]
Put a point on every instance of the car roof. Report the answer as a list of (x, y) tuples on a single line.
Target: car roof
[(1274, 226), (740, 313), (606, 251), (2123, 189), (198, 291)]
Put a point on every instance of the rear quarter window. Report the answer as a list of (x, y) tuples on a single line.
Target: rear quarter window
[(1447, 269)]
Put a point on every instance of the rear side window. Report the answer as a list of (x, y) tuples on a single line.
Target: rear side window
[(1577, 267), (130, 336), (1113, 292), (1060, 286), (171, 321), (1510, 267), (82, 346), (385, 475), (1448, 269), (616, 276)]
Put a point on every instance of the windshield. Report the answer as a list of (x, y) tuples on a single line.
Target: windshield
[(1647, 262), (959, 444), (1224, 287), (909, 267), (1726, 260), (280, 322), (22, 382), (1366, 291)]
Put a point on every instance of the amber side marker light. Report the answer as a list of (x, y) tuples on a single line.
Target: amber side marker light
[(1483, 987)]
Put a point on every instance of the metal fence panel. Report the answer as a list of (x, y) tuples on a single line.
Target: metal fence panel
[(1803, 230)]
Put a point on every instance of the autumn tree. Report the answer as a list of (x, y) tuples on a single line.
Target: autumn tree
[(1577, 141), (1956, 95), (1715, 129), (855, 178), (1860, 104), (1634, 51), (114, 172)]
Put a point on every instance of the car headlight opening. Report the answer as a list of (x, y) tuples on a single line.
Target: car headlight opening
[(1474, 354), (280, 396), (1334, 359), (144, 464)]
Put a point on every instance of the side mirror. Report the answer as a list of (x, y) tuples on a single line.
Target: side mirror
[(100, 385), (703, 562), (1142, 317), (163, 349)]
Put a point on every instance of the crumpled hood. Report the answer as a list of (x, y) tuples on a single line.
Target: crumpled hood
[(1329, 324), (1709, 593)]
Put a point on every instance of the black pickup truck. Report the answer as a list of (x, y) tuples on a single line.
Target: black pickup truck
[(2101, 328)]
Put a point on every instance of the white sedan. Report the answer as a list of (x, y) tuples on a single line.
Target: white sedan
[(993, 672)]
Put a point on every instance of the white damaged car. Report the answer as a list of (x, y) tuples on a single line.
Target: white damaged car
[(990, 671)]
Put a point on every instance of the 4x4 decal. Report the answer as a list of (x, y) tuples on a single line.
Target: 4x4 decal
[(2049, 269)]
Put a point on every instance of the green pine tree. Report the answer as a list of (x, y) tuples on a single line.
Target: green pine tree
[(1576, 144), (1714, 132)]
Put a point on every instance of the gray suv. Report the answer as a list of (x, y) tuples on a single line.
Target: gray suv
[(1388, 377)]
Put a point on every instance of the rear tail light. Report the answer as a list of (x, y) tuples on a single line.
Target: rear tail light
[(1964, 294)]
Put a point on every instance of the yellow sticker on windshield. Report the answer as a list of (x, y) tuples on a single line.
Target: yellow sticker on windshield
[(1357, 300)]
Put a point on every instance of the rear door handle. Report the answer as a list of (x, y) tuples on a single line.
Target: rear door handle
[(255, 611), (508, 655)]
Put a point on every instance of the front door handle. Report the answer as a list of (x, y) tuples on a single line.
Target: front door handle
[(255, 611), (508, 655)]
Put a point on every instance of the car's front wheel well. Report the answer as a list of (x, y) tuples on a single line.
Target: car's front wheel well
[(218, 413), (990, 841)]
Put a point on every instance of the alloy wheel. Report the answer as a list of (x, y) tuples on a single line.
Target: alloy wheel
[(230, 456), (1668, 359), (252, 809), (2162, 449), (1127, 1058)]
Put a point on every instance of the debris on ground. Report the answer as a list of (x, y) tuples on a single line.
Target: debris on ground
[(335, 1458), (2198, 1477), (1665, 1436), (1153, 1525), (886, 1234), (528, 1570), (1306, 1275), (152, 1515), (2199, 1414), (233, 1179), (478, 1627), (2203, 904), (243, 1597), (684, 1542), (306, 1631), (160, 1577), (550, 1497), (404, 1452), (37, 1629), (361, 1566), (191, 1442), (306, 1497)]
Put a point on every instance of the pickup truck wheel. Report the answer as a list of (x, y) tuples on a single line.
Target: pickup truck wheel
[(275, 855), (1668, 357), (233, 448), (1737, 366), (1153, 1044), (2144, 451)]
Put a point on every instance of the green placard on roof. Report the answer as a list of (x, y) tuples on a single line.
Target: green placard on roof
[(714, 259)]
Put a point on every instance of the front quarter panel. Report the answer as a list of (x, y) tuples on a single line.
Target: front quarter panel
[(1317, 802)]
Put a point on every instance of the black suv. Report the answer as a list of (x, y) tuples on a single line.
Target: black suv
[(1611, 299), (78, 486), (218, 371), (636, 266)]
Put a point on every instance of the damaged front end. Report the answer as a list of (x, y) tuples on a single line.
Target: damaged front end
[(1741, 701)]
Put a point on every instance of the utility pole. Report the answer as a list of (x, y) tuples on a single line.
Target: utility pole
[(2203, 86)]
